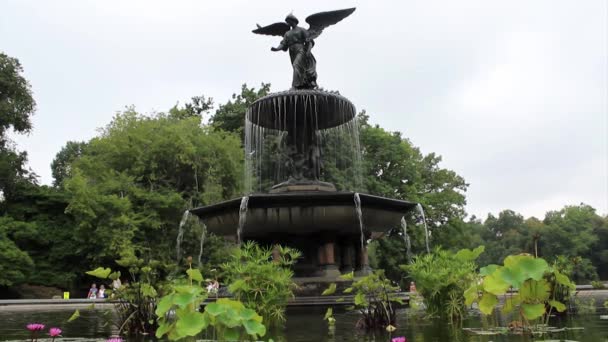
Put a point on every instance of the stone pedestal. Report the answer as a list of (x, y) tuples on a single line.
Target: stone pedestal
[(327, 262), (363, 267)]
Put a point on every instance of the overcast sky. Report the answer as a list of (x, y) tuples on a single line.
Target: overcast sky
[(512, 94)]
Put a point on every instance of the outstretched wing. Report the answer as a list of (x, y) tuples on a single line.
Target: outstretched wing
[(320, 21), (276, 29)]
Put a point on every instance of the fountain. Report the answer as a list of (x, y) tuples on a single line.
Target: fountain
[(303, 171)]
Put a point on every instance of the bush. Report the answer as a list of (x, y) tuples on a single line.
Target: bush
[(260, 282), (441, 278)]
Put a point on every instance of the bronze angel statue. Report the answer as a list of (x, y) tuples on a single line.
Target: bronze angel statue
[(299, 41)]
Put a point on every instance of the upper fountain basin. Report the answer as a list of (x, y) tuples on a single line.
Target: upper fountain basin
[(304, 213), (297, 109)]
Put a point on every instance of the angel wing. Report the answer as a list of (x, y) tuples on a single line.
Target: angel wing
[(276, 29), (320, 21)]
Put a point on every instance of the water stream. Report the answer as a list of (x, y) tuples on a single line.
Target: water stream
[(180, 235), (426, 228), (285, 133), (360, 217), (406, 240), (242, 218), (203, 234)]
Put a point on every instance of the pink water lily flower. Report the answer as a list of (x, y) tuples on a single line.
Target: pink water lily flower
[(399, 339), (114, 339), (35, 327), (54, 332)]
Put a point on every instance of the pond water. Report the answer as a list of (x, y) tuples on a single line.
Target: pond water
[(308, 325)]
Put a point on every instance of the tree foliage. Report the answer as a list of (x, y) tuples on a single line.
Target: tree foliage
[(16, 101), (130, 185)]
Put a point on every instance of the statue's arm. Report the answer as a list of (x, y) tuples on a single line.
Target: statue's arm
[(282, 46)]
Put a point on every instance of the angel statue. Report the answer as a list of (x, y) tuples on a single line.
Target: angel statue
[(300, 41)]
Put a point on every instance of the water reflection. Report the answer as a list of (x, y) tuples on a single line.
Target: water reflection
[(307, 324)]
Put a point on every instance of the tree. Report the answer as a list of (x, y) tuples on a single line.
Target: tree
[(16, 101), (131, 184), (61, 166), (16, 107), (231, 115)]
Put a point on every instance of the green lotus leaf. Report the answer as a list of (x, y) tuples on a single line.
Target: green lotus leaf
[(164, 305), (254, 328), (163, 329), (511, 303), (183, 299), (487, 270), (563, 280), (215, 309), (559, 306), (195, 275), (535, 290), (471, 295), (495, 285), (533, 311), (191, 324), (534, 268), (487, 303), (513, 277), (100, 272), (232, 334)]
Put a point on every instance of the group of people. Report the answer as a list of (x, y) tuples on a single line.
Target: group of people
[(100, 293)]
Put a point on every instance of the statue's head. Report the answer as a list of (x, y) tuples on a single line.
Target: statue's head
[(292, 20)]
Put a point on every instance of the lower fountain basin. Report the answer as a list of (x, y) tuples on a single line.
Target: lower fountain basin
[(305, 213)]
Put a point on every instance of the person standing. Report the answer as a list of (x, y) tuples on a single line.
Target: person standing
[(92, 292), (102, 292)]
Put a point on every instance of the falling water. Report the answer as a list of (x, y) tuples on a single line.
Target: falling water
[(242, 218), (180, 234), (360, 217), (426, 229), (406, 240), (330, 118), (203, 234)]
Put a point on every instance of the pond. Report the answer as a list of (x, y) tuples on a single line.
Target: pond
[(306, 324)]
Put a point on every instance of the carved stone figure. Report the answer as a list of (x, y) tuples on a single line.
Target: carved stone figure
[(299, 41)]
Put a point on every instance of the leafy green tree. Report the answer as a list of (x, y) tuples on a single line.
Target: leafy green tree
[(16, 101), (36, 222), (61, 166), (16, 108), (231, 115), (15, 264), (129, 187)]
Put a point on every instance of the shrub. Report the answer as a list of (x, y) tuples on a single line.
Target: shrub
[(260, 282), (441, 278)]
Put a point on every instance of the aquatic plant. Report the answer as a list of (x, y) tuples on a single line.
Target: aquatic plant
[(54, 332), (441, 278), (135, 302), (531, 277), (230, 319), (34, 328), (261, 278), (399, 339), (373, 299), (114, 339)]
